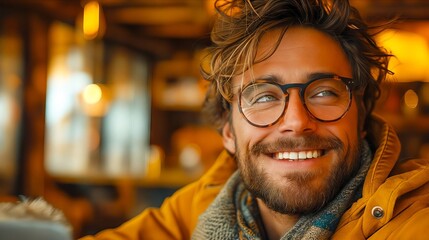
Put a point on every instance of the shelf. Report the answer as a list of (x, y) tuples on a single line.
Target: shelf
[(168, 178)]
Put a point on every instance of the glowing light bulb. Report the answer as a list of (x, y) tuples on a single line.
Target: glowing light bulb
[(92, 94), (411, 99), (91, 19)]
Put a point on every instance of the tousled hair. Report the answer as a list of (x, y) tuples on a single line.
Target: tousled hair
[(240, 25)]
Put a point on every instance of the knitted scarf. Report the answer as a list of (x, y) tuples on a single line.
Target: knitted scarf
[(234, 213)]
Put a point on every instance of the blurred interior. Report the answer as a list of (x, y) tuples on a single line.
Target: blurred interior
[(100, 101)]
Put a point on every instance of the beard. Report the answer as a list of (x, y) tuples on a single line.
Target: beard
[(296, 193)]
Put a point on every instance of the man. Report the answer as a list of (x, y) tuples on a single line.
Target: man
[(293, 87)]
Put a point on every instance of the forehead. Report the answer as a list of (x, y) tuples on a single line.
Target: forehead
[(302, 51)]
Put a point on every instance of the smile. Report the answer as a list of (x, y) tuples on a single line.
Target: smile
[(301, 155)]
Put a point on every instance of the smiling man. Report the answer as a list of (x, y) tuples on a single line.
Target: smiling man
[(293, 85), (296, 147)]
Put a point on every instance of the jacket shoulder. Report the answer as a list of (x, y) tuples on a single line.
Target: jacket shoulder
[(178, 214), (398, 208)]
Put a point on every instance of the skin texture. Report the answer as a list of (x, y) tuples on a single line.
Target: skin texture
[(286, 189)]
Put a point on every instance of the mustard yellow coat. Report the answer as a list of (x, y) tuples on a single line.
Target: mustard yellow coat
[(394, 205)]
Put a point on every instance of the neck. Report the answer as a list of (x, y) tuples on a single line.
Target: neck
[(276, 224)]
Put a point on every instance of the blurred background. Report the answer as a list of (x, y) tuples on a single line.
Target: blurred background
[(100, 100)]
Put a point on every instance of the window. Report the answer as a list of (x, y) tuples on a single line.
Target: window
[(97, 109)]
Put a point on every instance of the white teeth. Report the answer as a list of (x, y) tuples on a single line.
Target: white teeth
[(293, 155), (285, 155), (301, 155), (316, 153)]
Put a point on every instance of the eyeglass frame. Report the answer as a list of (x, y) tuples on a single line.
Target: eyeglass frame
[(350, 83)]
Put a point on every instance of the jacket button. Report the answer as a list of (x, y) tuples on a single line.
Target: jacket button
[(377, 212)]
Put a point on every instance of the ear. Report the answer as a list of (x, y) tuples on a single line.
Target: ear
[(228, 138)]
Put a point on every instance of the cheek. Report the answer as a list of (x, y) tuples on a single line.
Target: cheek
[(246, 135), (348, 128)]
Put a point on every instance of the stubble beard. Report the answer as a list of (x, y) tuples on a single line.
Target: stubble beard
[(298, 195)]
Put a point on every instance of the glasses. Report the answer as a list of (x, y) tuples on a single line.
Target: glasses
[(326, 98)]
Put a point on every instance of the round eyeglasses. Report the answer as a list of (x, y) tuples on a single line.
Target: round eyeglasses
[(326, 98)]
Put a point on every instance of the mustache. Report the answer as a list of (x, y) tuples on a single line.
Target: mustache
[(288, 143)]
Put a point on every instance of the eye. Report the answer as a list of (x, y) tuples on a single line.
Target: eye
[(326, 89), (261, 94), (265, 99), (325, 93)]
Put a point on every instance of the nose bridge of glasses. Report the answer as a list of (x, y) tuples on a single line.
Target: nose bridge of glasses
[(299, 86)]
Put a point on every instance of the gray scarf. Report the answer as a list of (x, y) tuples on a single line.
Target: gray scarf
[(234, 213)]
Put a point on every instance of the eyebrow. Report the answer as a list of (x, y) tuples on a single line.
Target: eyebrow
[(316, 75), (269, 78), (275, 79), (309, 77)]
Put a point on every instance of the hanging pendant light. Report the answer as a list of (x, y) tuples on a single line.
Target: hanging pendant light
[(93, 20)]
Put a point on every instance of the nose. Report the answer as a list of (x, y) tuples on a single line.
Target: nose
[(296, 119)]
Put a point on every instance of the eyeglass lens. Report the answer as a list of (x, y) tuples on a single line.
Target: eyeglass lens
[(325, 99)]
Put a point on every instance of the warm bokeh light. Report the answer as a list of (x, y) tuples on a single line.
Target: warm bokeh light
[(95, 99), (92, 94), (411, 99), (411, 50), (91, 19)]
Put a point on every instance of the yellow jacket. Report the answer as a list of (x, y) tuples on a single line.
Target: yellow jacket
[(394, 203)]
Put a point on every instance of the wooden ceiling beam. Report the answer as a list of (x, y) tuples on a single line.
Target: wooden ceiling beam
[(60, 10), (183, 31), (156, 15), (144, 3), (156, 47)]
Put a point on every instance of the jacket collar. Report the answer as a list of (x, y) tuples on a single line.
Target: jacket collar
[(387, 146)]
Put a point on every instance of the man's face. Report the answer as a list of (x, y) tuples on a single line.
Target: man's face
[(285, 185)]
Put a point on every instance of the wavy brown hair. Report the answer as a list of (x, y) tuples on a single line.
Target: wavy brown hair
[(240, 25)]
